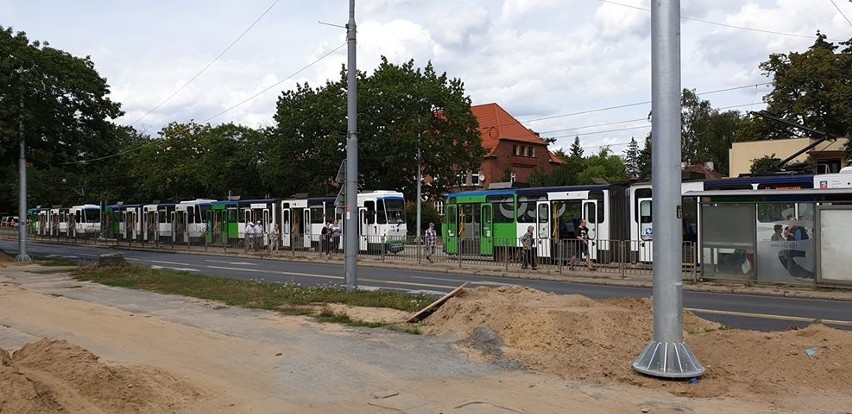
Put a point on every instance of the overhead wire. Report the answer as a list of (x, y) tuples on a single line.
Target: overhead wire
[(730, 26), (841, 12), (217, 114), (207, 66), (639, 103)]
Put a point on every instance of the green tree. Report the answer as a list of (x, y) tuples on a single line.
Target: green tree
[(631, 158), (764, 164), (400, 110), (576, 149), (604, 165), (643, 162), (428, 214), (193, 160), (58, 102), (813, 88)]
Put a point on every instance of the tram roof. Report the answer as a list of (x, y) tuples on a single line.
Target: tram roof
[(767, 179), (483, 193), (544, 190), (772, 192)]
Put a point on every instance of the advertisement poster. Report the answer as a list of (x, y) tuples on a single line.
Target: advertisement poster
[(786, 261)]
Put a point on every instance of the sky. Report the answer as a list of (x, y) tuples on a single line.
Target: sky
[(564, 68)]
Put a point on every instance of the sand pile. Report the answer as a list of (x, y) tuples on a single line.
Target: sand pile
[(583, 339), (56, 377)]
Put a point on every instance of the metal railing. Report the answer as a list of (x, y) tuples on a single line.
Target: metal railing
[(608, 258)]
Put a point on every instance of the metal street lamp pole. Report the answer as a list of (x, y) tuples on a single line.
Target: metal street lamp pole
[(419, 178), (667, 355), (350, 232), (22, 195)]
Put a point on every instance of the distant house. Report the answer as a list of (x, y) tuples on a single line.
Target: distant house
[(512, 151), (826, 156)]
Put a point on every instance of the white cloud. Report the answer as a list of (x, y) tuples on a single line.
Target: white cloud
[(536, 58)]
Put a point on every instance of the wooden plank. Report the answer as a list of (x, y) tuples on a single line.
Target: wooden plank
[(423, 313)]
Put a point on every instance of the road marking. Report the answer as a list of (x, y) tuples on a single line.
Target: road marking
[(175, 263), (179, 269), (232, 263), (770, 316), (487, 283)]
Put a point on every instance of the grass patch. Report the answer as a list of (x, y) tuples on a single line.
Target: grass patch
[(285, 298), (56, 262)]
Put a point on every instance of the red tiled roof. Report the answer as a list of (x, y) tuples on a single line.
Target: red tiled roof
[(496, 124)]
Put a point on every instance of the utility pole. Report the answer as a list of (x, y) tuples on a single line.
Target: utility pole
[(419, 178), (667, 355), (22, 194), (350, 229)]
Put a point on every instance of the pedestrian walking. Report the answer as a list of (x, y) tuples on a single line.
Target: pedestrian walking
[(528, 249), (431, 240)]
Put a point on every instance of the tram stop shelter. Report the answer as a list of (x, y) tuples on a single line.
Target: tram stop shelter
[(775, 236)]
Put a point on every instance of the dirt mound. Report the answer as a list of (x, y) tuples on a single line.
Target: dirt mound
[(583, 339), (57, 376)]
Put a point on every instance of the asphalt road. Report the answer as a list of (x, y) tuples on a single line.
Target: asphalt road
[(764, 313)]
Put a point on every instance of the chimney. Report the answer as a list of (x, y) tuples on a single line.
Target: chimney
[(709, 165)]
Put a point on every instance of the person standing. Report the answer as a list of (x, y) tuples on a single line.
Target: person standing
[(431, 240), (258, 235), (274, 236), (249, 236), (583, 238), (528, 249), (335, 236), (325, 235)]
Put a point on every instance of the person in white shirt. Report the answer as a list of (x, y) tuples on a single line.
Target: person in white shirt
[(258, 234), (249, 236)]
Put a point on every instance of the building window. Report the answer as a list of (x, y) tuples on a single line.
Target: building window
[(439, 205), (474, 178)]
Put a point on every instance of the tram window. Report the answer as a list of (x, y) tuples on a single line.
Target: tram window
[(774, 212), (233, 217), (161, 217), (471, 213), (543, 214), (645, 211), (504, 208), (591, 213), (599, 196), (317, 215), (639, 193), (371, 211), (526, 209), (381, 217), (92, 215)]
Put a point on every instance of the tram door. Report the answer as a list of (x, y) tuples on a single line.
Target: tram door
[(179, 220), (132, 225), (590, 214), (217, 225), (645, 230), (306, 230), (542, 232), (486, 243), (451, 244), (151, 225), (285, 228)]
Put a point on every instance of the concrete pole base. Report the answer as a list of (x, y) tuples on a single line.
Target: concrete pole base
[(668, 360)]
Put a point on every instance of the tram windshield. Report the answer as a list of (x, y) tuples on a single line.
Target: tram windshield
[(395, 211), (92, 215)]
